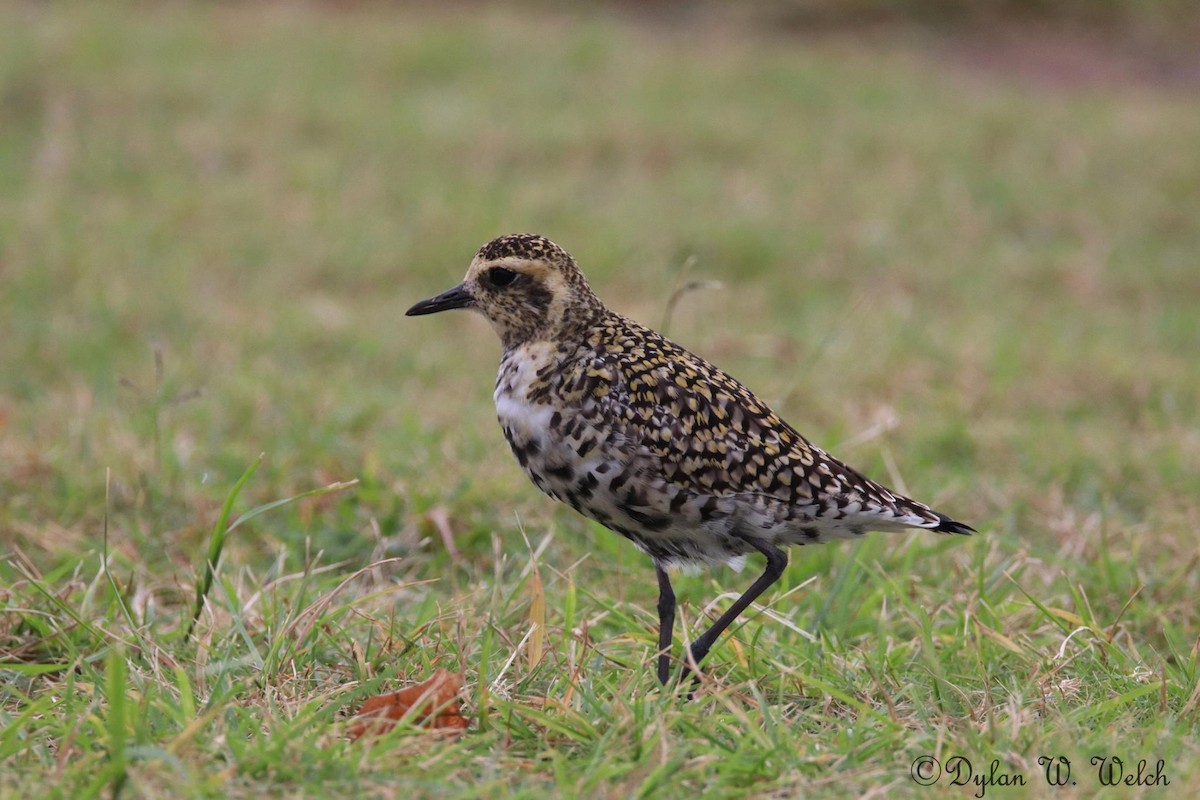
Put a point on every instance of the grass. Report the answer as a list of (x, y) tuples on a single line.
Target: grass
[(211, 220)]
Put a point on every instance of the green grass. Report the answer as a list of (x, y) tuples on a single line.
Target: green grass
[(211, 221)]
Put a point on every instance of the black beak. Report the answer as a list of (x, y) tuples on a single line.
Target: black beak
[(458, 297)]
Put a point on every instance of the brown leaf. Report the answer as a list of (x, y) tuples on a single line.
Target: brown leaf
[(433, 704), (439, 517)]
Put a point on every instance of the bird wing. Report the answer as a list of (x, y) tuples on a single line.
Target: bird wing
[(702, 431)]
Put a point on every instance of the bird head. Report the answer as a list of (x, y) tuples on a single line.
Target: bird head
[(528, 287)]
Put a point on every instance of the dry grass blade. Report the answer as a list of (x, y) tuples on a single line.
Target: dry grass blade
[(537, 618)]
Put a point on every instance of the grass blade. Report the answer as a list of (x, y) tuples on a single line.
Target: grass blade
[(222, 529), (115, 720), (216, 543)]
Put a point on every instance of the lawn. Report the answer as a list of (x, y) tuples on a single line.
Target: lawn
[(982, 290)]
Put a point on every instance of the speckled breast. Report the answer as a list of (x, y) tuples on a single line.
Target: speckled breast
[(562, 456), (589, 466)]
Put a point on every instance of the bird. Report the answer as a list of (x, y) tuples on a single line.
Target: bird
[(652, 441)]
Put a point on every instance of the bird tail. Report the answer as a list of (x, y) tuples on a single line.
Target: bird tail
[(947, 525)]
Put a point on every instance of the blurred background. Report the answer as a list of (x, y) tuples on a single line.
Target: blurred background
[(956, 243)]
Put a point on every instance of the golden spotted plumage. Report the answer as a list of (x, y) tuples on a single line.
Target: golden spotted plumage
[(651, 440)]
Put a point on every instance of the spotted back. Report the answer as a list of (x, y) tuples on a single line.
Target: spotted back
[(706, 434)]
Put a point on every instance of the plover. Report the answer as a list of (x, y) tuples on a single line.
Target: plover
[(652, 441)]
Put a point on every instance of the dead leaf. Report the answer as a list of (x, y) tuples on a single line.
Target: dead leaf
[(432, 704), (439, 517)]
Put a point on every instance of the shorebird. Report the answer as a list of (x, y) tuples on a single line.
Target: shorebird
[(652, 441)]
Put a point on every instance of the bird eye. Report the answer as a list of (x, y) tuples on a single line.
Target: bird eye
[(501, 277)]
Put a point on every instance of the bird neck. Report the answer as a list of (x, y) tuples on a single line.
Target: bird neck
[(567, 322)]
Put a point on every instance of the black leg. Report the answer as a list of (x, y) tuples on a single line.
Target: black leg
[(777, 561), (666, 623)]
